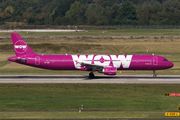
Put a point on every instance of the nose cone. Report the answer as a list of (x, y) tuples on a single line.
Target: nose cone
[(171, 64)]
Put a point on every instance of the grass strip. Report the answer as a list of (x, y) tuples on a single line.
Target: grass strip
[(93, 115), (113, 97), (3, 63), (154, 32)]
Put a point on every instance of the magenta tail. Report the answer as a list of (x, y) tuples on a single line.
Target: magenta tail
[(20, 46)]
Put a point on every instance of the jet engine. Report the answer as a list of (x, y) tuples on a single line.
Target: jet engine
[(109, 70)]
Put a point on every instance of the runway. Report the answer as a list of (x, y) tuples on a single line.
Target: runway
[(119, 79)]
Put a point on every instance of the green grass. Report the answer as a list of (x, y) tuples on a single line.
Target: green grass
[(3, 63), (130, 32), (98, 115), (113, 97), (16, 23)]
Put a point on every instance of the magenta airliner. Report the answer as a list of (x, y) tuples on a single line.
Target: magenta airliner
[(106, 64)]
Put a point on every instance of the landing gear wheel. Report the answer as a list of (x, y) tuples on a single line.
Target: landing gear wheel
[(154, 74), (91, 75)]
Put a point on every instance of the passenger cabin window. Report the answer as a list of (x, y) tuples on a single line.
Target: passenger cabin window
[(164, 60)]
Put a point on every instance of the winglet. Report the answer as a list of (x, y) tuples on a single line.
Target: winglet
[(20, 46)]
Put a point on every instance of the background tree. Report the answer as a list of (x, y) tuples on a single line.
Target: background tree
[(113, 13), (9, 9), (75, 13), (142, 15), (40, 16), (26, 15), (18, 19), (31, 20), (127, 14), (95, 15), (92, 12), (62, 7)]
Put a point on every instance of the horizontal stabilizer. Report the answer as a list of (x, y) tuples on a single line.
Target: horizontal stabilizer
[(19, 59)]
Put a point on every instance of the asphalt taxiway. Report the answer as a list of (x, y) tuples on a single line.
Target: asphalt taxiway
[(121, 79)]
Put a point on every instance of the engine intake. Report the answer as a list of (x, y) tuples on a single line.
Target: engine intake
[(110, 70)]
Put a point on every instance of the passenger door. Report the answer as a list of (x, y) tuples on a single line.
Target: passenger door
[(155, 61), (37, 60)]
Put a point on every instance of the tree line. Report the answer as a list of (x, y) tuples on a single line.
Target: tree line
[(91, 12)]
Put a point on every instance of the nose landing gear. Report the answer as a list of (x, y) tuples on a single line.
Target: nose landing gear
[(154, 73)]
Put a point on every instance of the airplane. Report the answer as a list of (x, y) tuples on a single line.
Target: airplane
[(106, 64)]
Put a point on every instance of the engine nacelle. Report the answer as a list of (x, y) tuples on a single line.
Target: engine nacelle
[(110, 70)]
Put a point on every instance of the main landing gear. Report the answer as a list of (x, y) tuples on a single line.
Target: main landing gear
[(91, 75), (154, 74)]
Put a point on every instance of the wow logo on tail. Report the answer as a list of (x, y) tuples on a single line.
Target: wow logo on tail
[(20, 46)]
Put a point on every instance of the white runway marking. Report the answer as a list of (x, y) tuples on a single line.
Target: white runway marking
[(159, 80)]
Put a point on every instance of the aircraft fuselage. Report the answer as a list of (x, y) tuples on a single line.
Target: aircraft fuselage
[(72, 62)]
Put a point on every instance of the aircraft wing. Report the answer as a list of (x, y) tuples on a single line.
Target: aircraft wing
[(92, 66)]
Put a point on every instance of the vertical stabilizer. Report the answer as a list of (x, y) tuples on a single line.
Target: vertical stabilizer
[(20, 46)]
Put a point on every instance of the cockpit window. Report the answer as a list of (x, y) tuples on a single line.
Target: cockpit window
[(164, 60)]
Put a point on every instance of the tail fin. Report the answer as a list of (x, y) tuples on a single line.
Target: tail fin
[(20, 47)]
